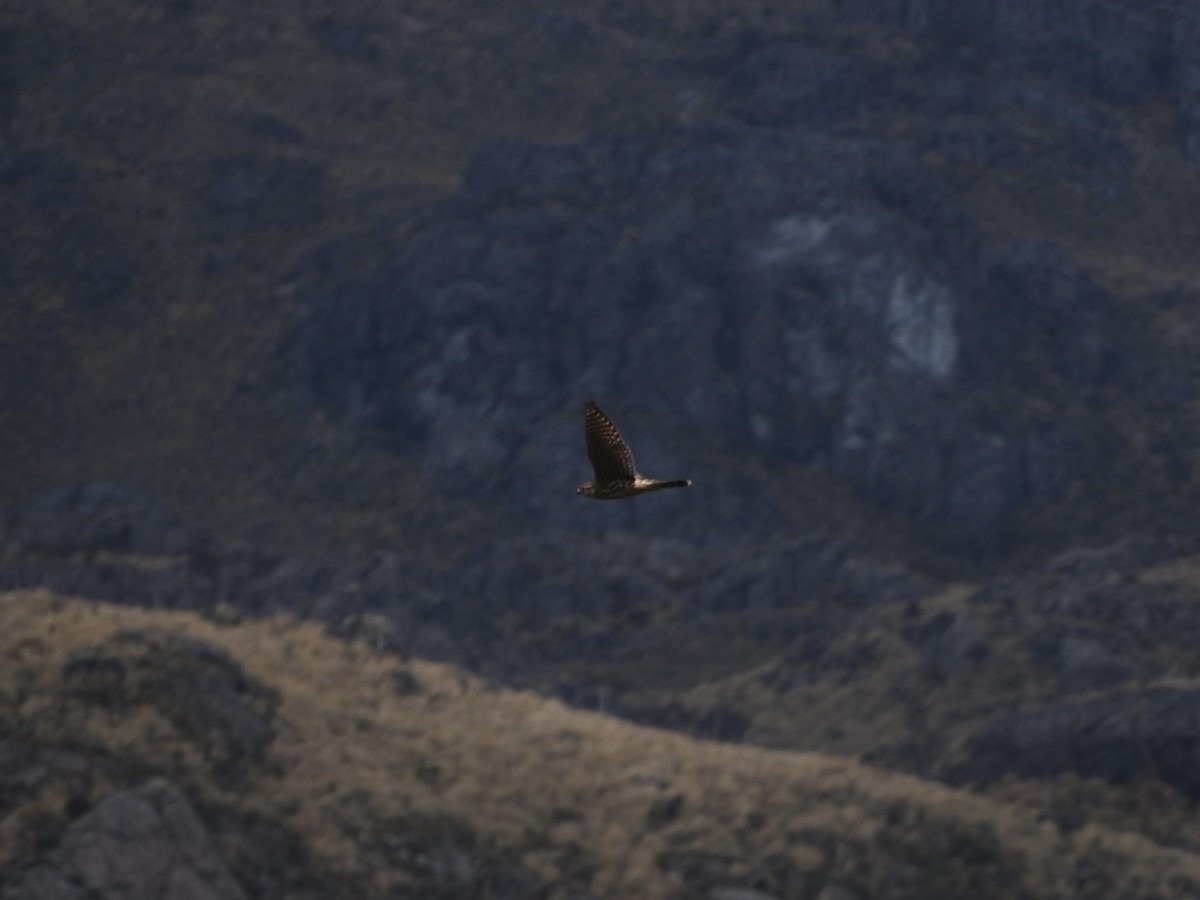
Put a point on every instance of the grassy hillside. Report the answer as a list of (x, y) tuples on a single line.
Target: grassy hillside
[(366, 746), (164, 173)]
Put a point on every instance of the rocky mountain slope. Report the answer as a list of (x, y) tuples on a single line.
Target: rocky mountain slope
[(1064, 697), (301, 306), (930, 272), (312, 767)]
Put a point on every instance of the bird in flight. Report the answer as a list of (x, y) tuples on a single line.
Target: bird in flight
[(616, 475)]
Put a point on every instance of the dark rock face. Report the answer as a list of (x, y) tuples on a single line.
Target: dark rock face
[(146, 842), (1120, 53), (791, 84), (1115, 738), (539, 584), (1186, 78), (720, 723), (103, 516), (69, 239), (1111, 49), (1052, 313), (250, 194), (1087, 664), (950, 643), (346, 37), (803, 299)]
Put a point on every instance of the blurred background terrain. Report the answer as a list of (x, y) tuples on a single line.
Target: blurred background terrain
[(301, 304)]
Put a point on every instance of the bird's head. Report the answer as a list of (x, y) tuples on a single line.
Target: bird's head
[(586, 489)]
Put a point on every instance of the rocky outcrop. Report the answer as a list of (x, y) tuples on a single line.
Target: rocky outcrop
[(96, 517), (1185, 72), (949, 643), (68, 238), (1117, 738), (252, 194), (802, 299), (1113, 50), (140, 844), (1084, 628), (150, 841), (109, 542), (1120, 53), (793, 84)]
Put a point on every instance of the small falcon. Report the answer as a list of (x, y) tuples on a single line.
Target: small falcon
[(616, 475)]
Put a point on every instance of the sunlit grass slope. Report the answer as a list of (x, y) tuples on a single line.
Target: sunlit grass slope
[(365, 744)]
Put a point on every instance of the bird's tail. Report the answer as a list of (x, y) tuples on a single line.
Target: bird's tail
[(679, 482)]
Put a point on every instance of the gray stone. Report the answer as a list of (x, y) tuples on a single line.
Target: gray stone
[(806, 299), (140, 844)]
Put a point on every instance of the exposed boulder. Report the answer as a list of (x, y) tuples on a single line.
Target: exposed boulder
[(139, 844)]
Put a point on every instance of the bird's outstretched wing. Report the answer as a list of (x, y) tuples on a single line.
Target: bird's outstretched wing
[(611, 457)]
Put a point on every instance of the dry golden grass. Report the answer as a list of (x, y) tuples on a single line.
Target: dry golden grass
[(543, 785)]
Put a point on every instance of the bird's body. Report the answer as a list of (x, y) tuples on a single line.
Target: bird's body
[(612, 461)]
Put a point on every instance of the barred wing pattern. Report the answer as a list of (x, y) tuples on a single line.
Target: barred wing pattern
[(616, 475), (611, 457)]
